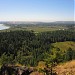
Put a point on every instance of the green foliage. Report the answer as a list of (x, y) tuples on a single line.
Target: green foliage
[(69, 54), (27, 48), (6, 59)]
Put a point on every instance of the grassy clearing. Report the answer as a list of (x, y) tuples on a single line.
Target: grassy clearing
[(37, 28), (45, 28), (64, 45)]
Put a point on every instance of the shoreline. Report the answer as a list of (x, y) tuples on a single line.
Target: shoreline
[(3, 27)]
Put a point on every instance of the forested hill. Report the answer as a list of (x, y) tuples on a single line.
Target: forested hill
[(25, 47)]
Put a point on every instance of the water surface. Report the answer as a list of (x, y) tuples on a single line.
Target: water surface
[(2, 27)]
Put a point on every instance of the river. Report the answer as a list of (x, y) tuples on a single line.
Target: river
[(2, 27)]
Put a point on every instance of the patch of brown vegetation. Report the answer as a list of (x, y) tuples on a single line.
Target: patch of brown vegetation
[(36, 73), (66, 68), (41, 65)]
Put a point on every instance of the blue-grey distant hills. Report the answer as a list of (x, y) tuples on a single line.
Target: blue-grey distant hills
[(37, 23), (64, 22)]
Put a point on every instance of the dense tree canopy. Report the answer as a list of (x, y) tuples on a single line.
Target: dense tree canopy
[(25, 47)]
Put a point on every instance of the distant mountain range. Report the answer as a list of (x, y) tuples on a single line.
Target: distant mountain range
[(64, 22), (35, 23)]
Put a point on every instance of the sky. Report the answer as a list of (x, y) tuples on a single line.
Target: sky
[(37, 10)]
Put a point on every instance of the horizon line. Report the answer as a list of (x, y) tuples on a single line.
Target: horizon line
[(36, 21)]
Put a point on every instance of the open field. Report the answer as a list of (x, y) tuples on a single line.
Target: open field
[(38, 29), (64, 45), (45, 28)]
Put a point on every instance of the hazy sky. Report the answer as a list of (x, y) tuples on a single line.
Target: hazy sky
[(36, 10)]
